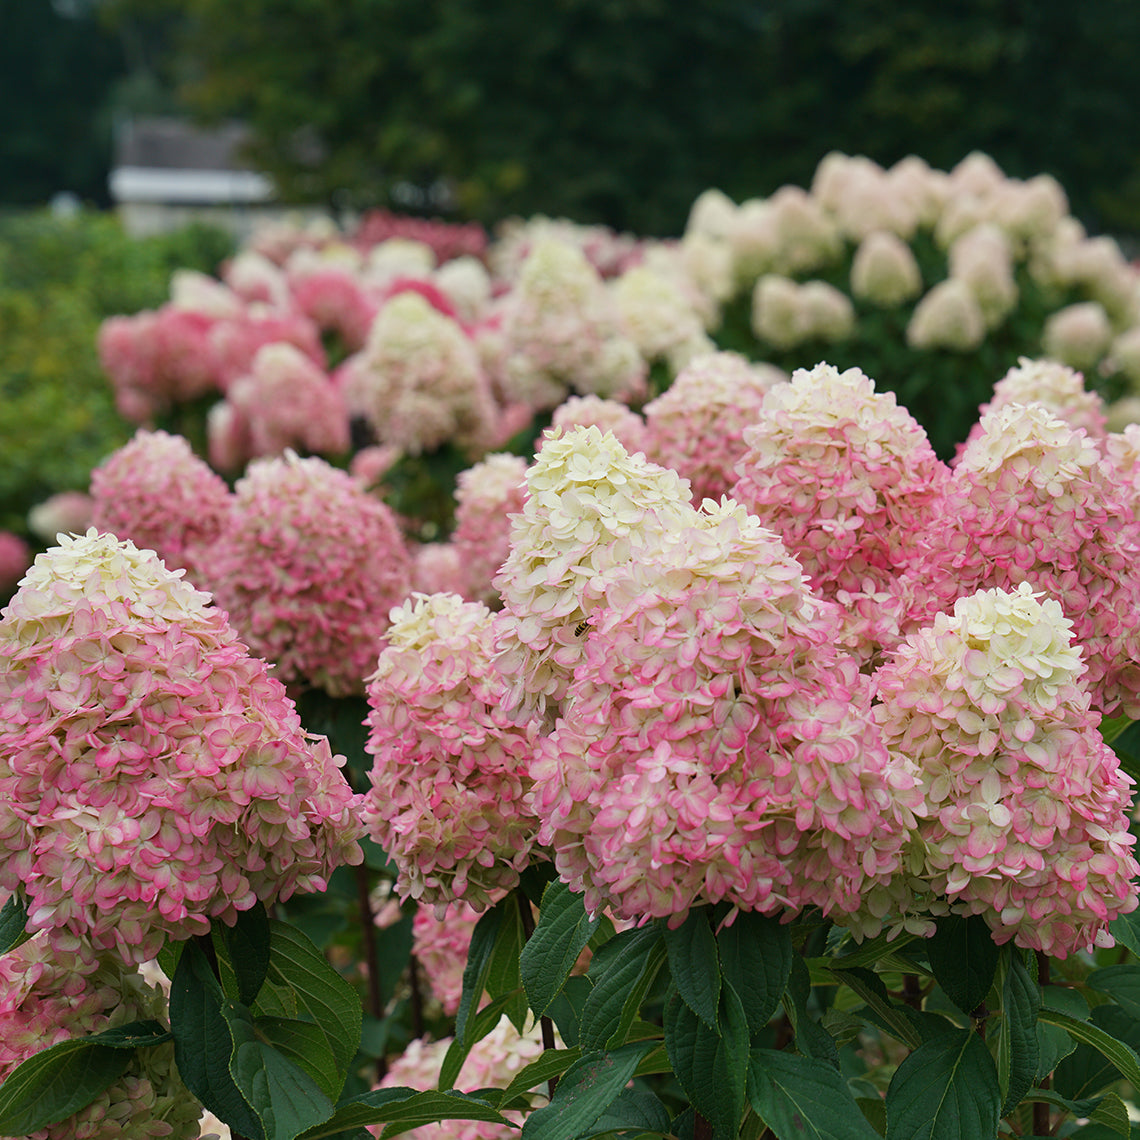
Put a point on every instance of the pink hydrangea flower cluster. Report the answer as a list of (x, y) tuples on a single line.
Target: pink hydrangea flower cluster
[(493, 1062), (153, 776), (446, 239), (50, 994), (591, 509), (285, 401), (486, 496), (450, 771), (563, 333), (308, 569), (1030, 500), (437, 568), (627, 426), (15, 558), (334, 297), (440, 945), (419, 382), (847, 478), (155, 491), (1026, 813), (717, 744), (697, 425)]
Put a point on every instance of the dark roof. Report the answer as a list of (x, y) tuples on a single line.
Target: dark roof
[(174, 144)]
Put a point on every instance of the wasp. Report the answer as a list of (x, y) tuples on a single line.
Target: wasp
[(581, 627)]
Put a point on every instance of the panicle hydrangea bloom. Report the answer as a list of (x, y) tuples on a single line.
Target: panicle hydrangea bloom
[(15, 558), (1124, 356), (68, 512), (308, 569), (153, 776), (467, 285), (591, 508), (789, 233), (288, 401), (50, 994), (418, 382), (847, 478), (437, 568), (949, 317), (234, 343), (1077, 335), (884, 270), (486, 496), (658, 318), (253, 277), (863, 197), (494, 1061), (155, 491), (333, 296), (1055, 386), (716, 743), (1031, 501), (1122, 456), (450, 770), (440, 945), (786, 313), (983, 258), (562, 331), (608, 415), (1026, 813), (697, 425)]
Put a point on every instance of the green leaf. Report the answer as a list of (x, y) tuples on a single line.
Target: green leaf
[(562, 933), (1122, 984), (1122, 1056), (1126, 930), (203, 1045), (56, 1083), (566, 1009), (476, 1029), (482, 946), (945, 1090), (552, 1063), (871, 989), (1054, 1043), (1107, 1110), (695, 964), (756, 959), (1087, 1070), (1018, 1052), (133, 1035), (625, 974), (1111, 728), (13, 921), (286, 1099), (801, 1097), (503, 968), (963, 958), (589, 1087), (247, 948), (634, 1110), (300, 983), (868, 953), (402, 1106), (304, 1043)]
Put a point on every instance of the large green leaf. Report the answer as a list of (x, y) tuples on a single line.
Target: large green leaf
[(588, 1088), (1126, 930), (946, 1089), (1089, 1069), (553, 1063), (286, 1099), (1121, 983), (695, 963), (478, 965), (246, 948), (13, 920), (963, 958), (1052, 1041), (1107, 1110), (304, 1043), (635, 1111), (562, 932), (1122, 1056), (756, 958), (801, 1098), (1018, 1051), (503, 978), (56, 1083), (621, 982), (202, 1042), (401, 1106)]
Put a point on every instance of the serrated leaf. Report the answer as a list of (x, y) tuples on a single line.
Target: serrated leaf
[(945, 1090), (1018, 1050), (564, 928), (1126, 930), (304, 1044), (402, 1106), (695, 964), (801, 1098), (584, 1093), (286, 1099), (202, 1042), (13, 923), (619, 987), (503, 978), (1122, 1056), (634, 1110), (963, 958), (756, 959), (247, 948), (1121, 983), (56, 1083), (552, 1063)]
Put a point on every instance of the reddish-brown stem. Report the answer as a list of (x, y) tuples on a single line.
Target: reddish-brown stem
[(702, 1129)]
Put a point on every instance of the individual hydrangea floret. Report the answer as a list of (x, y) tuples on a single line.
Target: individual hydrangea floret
[(847, 478), (153, 776), (308, 569), (697, 425), (715, 743), (1030, 500), (591, 508), (50, 994), (450, 771), (155, 491), (1026, 815)]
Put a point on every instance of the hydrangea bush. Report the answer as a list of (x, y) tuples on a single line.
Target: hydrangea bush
[(745, 754)]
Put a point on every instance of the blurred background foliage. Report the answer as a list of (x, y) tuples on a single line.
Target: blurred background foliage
[(614, 111)]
